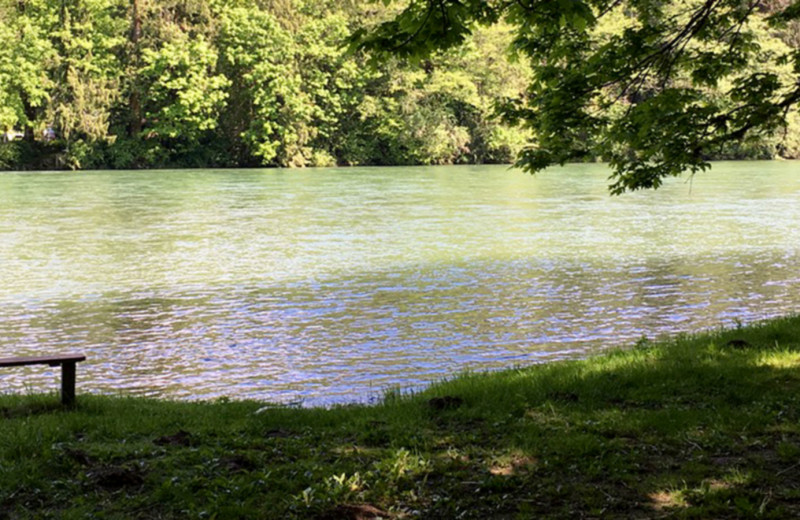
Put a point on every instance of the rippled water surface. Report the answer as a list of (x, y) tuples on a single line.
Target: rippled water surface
[(324, 286)]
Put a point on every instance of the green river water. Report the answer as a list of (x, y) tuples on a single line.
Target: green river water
[(331, 285)]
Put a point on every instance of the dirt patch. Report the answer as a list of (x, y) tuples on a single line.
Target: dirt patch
[(565, 397), (181, 438), (237, 463), (116, 477), (278, 433), (738, 343), (446, 402), (516, 465), (355, 512), (665, 500), (79, 456)]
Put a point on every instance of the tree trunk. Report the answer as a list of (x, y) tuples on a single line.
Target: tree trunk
[(134, 101)]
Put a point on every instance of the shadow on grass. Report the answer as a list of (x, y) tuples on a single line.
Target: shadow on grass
[(38, 405), (692, 428), (701, 428)]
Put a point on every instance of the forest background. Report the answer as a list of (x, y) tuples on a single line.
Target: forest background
[(234, 83)]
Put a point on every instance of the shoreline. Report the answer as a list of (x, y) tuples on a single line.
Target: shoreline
[(224, 168), (706, 425)]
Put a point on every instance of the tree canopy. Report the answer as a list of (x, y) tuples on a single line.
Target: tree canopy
[(195, 83), (655, 87)]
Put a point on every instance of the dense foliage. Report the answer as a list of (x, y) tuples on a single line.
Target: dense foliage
[(656, 88), (156, 83), (148, 83)]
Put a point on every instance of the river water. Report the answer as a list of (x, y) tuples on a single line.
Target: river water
[(332, 285)]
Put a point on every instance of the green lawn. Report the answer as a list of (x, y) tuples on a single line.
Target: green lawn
[(692, 427)]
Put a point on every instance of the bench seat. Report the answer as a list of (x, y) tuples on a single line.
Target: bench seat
[(67, 362), (41, 360)]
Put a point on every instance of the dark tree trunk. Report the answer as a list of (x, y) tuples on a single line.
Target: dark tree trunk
[(134, 101), (30, 116)]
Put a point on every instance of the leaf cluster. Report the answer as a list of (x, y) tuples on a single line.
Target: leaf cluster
[(656, 88), (155, 83)]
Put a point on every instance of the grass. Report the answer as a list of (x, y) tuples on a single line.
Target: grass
[(692, 427)]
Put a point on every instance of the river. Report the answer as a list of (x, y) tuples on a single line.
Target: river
[(329, 286)]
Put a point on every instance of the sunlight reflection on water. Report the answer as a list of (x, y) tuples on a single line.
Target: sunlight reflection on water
[(329, 286)]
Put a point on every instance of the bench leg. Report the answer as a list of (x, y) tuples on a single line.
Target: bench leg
[(68, 383)]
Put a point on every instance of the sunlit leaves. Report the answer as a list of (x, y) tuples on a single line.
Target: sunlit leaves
[(256, 53), (25, 56), (654, 87), (185, 96)]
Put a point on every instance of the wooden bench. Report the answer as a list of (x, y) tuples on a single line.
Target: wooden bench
[(67, 362)]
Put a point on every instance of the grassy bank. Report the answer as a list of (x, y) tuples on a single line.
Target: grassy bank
[(699, 427)]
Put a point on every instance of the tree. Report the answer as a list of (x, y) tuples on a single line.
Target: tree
[(24, 58), (86, 71), (265, 96), (656, 88)]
